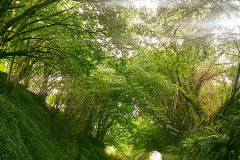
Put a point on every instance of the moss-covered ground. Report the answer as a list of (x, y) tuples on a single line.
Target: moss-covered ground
[(25, 130)]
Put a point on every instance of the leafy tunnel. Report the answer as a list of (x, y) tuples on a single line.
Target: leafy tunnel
[(119, 79)]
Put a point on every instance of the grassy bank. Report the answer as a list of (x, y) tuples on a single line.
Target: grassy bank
[(26, 130)]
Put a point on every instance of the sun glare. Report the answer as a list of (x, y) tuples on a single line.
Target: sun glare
[(150, 4), (233, 23)]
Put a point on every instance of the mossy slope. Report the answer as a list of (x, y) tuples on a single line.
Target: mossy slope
[(24, 128)]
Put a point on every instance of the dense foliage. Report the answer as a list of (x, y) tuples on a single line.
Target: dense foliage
[(130, 77)]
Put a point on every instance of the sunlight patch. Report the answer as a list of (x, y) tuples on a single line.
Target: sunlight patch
[(110, 150), (155, 155)]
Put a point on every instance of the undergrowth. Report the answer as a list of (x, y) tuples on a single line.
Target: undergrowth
[(26, 130)]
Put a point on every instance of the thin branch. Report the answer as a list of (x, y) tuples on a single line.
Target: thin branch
[(31, 11)]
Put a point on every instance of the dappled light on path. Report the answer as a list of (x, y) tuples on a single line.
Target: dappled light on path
[(155, 155)]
